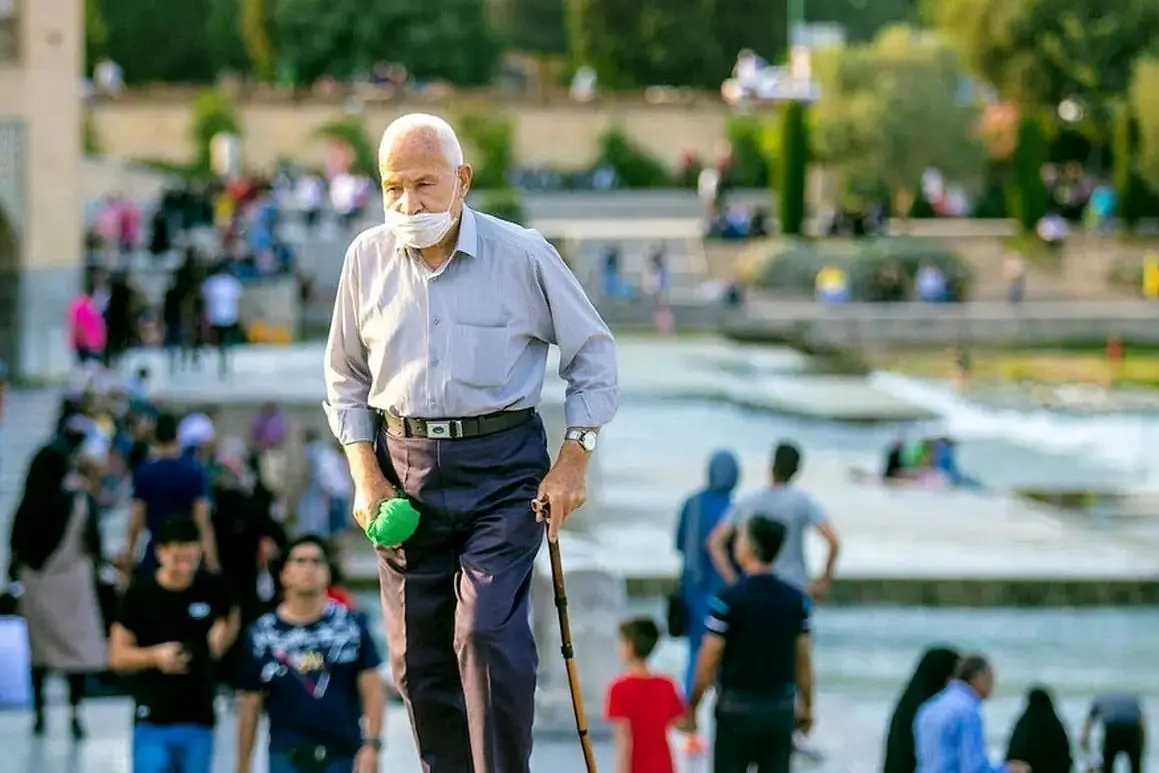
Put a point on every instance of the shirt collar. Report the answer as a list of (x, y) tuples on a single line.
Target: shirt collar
[(965, 691)]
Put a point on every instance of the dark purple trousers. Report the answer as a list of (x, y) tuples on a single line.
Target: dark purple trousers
[(456, 596)]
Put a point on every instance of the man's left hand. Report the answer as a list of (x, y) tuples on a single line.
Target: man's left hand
[(564, 489), (366, 761), (819, 588)]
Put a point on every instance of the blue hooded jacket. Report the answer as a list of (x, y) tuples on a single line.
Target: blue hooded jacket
[(699, 516)]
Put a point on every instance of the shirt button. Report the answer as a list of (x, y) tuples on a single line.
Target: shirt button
[(435, 361), (435, 320)]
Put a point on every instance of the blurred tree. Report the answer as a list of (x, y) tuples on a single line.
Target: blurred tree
[(759, 25), (96, 34), (530, 26), (255, 33), (635, 44), (1027, 197), (862, 19), (1041, 52), (1140, 142), (178, 49), (890, 110), (450, 39), (1133, 198), (794, 168), (225, 37)]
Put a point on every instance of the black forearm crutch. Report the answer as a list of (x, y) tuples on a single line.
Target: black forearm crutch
[(560, 593)]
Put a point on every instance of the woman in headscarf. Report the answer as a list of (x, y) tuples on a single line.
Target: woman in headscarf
[(699, 580), (930, 677), (1039, 737), (55, 548)]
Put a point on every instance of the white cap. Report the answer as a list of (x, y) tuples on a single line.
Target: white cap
[(195, 430)]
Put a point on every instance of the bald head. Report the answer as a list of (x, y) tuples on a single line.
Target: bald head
[(421, 164), (422, 132)]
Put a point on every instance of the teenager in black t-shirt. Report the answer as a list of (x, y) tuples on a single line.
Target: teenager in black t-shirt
[(758, 653), (172, 627)]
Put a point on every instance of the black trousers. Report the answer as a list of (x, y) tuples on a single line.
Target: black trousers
[(753, 733), (1123, 739)]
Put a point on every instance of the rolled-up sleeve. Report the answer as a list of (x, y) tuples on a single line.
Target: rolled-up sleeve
[(347, 373), (587, 351)]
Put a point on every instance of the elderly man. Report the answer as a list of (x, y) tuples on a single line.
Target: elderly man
[(434, 368)]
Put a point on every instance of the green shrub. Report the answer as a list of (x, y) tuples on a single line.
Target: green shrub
[(794, 162), (213, 113), (92, 138), (751, 165), (351, 132), (791, 266), (492, 138), (1127, 273), (1134, 199), (1028, 196), (505, 203), (634, 166)]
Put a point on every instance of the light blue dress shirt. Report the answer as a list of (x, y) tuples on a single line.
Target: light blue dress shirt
[(948, 733), (466, 339)]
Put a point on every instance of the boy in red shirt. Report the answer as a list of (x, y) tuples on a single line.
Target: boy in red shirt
[(641, 705)]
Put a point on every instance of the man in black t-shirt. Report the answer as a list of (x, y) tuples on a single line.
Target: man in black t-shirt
[(758, 652), (172, 627)]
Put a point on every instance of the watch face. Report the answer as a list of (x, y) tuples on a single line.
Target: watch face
[(588, 441)]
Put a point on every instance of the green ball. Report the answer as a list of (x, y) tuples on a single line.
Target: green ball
[(396, 521)]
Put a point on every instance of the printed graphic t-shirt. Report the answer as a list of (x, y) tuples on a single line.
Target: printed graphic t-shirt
[(308, 675)]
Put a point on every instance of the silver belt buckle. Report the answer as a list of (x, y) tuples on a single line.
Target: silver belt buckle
[(439, 429)]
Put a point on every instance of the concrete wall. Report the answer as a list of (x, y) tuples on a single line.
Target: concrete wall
[(560, 135), (40, 121)]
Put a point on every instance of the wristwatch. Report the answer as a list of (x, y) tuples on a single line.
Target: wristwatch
[(373, 743), (585, 437)]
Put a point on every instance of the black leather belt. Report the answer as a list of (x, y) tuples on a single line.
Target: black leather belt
[(456, 429)]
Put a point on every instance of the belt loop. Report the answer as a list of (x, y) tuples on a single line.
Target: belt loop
[(457, 428)]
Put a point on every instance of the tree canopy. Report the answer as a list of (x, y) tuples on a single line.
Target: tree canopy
[(1041, 52), (891, 109)]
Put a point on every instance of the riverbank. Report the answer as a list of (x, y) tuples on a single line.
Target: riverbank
[(1080, 363)]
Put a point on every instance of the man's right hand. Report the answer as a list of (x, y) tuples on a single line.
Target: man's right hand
[(171, 658), (367, 494), (1017, 766)]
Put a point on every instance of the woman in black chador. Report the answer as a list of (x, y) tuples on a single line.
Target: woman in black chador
[(933, 672)]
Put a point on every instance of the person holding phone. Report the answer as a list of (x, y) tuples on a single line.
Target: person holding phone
[(172, 628)]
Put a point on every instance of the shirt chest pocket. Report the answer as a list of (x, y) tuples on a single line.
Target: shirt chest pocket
[(480, 355)]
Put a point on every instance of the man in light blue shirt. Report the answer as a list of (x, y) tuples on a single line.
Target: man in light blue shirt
[(948, 733)]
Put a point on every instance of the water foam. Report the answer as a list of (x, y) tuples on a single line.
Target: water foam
[(1115, 440)]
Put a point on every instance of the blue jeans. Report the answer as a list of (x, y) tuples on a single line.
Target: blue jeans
[(280, 763), (172, 748)]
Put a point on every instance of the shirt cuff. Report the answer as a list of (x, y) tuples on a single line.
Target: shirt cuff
[(352, 425), (591, 408)]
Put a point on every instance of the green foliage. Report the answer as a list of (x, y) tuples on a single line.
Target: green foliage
[(160, 41), (213, 113), (751, 165), (794, 169), (255, 33), (92, 139), (890, 110), (791, 266), (633, 43), (449, 39), (504, 203), (1040, 52), (531, 26), (862, 19), (1133, 199), (491, 137), (1028, 197), (634, 166), (351, 132), (1144, 104), (96, 33)]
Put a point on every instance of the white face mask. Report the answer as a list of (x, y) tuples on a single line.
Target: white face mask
[(421, 230)]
